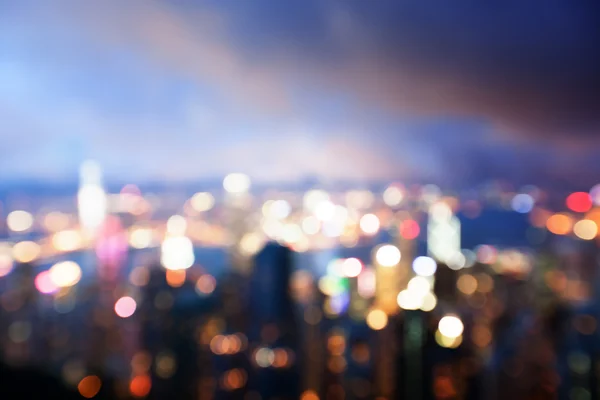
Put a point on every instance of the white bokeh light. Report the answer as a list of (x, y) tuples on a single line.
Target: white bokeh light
[(388, 255)]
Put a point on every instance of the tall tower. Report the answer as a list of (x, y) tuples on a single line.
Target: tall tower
[(443, 233), (274, 330), (237, 202), (91, 199)]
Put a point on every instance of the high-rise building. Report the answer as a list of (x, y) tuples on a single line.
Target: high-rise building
[(91, 198), (443, 233), (273, 331)]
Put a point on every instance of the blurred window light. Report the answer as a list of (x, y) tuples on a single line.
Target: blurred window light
[(26, 251), (19, 221), (366, 283), (369, 224), (6, 260), (91, 198), (579, 202), (393, 195), (559, 224), (585, 229), (139, 276), (251, 243), (388, 255), (311, 225), (419, 286), (313, 198), (175, 277), (409, 301), (409, 229), (202, 201), (467, 284), (292, 233), (205, 285), (65, 274), (325, 210), (140, 386), (443, 233), (451, 326), (424, 266), (352, 267), (448, 342), (429, 302), (440, 212), (377, 319), (67, 241), (125, 307), (457, 261), (177, 252), (236, 183), (141, 238), (595, 194), (279, 209), (89, 386), (264, 357), (44, 284), (176, 225), (522, 203)]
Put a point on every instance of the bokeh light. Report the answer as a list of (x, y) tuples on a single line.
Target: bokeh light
[(67, 240), (559, 224), (369, 224), (202, 201), (177, 252), (352, 267), (522, 203), (125, 307), (409, 229), (377, 319), (6, 260), (424, 266), (44, 284), (140, 386), (26, 251), (206, 284), (409, 301), (585, 229), (19, 221), (451, 326), (579, 202), (393, 195), (89, 386), (236, 183), (65, 274), (388, 255)]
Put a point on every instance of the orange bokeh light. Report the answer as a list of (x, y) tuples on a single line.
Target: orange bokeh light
[(89, 386), (560, 224), (140, 386)]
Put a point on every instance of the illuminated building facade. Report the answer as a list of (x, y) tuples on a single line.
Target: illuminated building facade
[(91, 198)]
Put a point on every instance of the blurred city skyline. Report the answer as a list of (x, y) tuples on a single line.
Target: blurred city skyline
[(192, 90)]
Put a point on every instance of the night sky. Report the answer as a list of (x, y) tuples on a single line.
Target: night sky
[(452, 92)]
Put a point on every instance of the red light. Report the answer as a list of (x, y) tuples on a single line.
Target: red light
[(409, 229), (579, 202)]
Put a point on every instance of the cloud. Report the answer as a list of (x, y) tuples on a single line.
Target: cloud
[(192, 89), (520, 65)]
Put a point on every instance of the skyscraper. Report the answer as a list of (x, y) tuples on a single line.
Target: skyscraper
[(91, 198), (273, 330)]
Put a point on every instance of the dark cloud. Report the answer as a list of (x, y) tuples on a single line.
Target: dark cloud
[(524, 65)]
